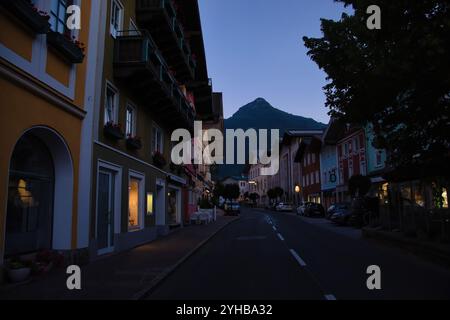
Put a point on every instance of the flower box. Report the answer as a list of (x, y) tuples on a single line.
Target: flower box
[(66, 47), (113, 131), (25, 11), (134, 143)]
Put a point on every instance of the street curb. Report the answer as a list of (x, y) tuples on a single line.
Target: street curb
[(163, 275)]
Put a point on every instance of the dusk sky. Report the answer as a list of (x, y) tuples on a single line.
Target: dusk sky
[(254, 49)]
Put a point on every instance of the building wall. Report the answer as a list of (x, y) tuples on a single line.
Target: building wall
[(329, 167), (43, 91), (311, 179), (376, 159), (351, 160)]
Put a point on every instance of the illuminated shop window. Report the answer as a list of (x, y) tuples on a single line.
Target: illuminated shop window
[(133, 204), (445, 198), (149, 204)]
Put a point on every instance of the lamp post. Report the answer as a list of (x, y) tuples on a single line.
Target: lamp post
[(298, 189)]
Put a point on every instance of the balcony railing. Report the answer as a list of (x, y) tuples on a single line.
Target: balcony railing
[(138, 62), (160, 18)]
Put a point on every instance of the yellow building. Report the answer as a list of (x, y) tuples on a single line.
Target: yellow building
[(46, 92)]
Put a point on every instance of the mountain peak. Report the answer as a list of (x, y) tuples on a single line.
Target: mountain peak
[(258, 104)]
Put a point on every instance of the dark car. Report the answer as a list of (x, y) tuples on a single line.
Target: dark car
[(314, 210), (341, 215), (335, 208), (232, 208)]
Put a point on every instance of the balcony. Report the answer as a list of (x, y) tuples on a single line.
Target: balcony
[(141, 67), (160, 18)]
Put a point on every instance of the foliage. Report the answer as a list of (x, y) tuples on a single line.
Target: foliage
[(397, 78), (205, 204), (232, 192), (272, 194), (279, 192)]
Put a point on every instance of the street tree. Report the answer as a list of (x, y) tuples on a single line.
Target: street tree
[(396, 77), (232, 192)]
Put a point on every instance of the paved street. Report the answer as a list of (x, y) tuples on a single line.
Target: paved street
[(268, 255)]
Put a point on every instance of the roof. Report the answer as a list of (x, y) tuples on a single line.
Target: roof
[(289, 134)]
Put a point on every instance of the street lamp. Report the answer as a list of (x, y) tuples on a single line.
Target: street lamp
[(298, 189)]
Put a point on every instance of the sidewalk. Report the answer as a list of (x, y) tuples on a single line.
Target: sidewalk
[(127, 275), (437, 252)]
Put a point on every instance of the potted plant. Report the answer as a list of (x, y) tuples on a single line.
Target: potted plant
[(134, 143), (18, 271), (27, 13), (159, 160), (67, 46), (113, 131)]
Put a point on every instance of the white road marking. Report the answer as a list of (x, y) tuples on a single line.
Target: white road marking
[(297, 257), (330, 297), (280, 236), (274, 228)]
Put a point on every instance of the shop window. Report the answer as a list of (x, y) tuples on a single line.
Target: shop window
[(29, 218), (445, 198), (149, 204), (134, 204), (419, 198)]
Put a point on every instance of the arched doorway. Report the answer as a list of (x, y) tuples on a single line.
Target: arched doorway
[(40, 194), (30, 197)]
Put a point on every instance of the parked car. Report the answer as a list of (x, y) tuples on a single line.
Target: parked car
[(302, 208), (284, 207), (341, 215), (232, 208), (314, 210), (335, 208)]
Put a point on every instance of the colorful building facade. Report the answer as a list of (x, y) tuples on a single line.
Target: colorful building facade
[(153, 80), (47, 93)]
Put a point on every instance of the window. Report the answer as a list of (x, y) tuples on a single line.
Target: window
[(130, 121), (111, 105), (313, 158), (317, 177), (307, 180), (346, 149), (149, 204), (312, 178), (116, 17), (356, 141), (158, 140), (58, 15), (379, 158), (135, 202)]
